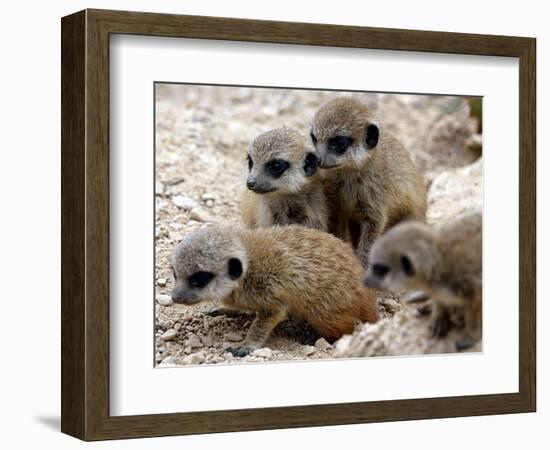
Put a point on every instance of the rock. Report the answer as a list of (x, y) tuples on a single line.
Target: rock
[(169, 335), (263, 353), (194, 341), (208, 196), (207, 341), (322, 344), (184, 202), (404, 334), (161, 282), (454, 192), (309, 350), (177, 326), (233, 336), (205, 324), (209, 203), (194, 359), (200, 215), (164, 300)]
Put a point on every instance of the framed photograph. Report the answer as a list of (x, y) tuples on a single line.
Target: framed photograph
[(273, 225)]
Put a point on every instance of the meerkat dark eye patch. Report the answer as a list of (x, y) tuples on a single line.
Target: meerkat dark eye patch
[(200, 279), (235, 268), (380, 270), (310, 164), (339, 144), (276, 167), (250, 163), (174, 274), (313, 138), (372, 136), (407, 266)]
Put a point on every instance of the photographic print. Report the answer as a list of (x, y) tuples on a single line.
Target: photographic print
[(302, 224)]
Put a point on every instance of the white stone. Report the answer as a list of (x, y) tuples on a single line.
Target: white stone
[(200, 215), (309, 350), (164, 300), (184, 202), (194, 358), (322, 344), (194, 341), (161, 282), (263, 353), (169, 335)]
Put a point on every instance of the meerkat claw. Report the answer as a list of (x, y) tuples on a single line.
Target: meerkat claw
[(240, 351)]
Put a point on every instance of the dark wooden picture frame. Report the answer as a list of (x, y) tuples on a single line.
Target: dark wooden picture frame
[(85, 224)]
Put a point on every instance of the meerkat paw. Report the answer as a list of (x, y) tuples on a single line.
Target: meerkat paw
[(241, 350), (221, 311), (440, 326), (464, 344)]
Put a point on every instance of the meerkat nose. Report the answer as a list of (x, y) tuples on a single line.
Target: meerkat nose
[(251, 184)]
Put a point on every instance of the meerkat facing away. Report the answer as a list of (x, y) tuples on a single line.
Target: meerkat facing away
[(445, 264), (284, 186), (274, 272), (371, 183)]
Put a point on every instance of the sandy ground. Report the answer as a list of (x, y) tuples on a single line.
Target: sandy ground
[(202, 135)]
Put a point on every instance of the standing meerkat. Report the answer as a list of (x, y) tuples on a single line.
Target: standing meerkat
[(284, 185), (444, 264), (371, 183), (274, 272)]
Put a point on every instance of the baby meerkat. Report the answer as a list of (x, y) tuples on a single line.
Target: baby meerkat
[(444, 264), (284, 186), (274, 272), (371, 183)]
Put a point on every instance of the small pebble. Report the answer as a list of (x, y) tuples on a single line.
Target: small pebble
[(309, 350), (164, 300), (195, 358), (200, 215), (177, 326), (184, 202), (322, 344), (263, 353), (169, 335), (161, 282), (209, 203), (194, 341), (207, 341), (233, 336)]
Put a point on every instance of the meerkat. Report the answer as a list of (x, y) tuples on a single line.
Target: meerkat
[(444, 264), (275, 272), (284, 186), (371, 183)]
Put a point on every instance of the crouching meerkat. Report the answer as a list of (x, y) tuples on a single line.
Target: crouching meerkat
[(284, 185), (444, 264), (274, 272), (371, 183)]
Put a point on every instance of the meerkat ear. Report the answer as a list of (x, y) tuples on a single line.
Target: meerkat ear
[(310, 164), (371, 136), (235, 268), (407, 266)]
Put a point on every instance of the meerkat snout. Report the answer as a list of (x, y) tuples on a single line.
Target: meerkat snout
[(207, 265), (280, 160), (343, 132)]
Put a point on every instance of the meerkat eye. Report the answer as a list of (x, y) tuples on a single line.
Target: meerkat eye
[(380, 270), (373, 134), (200, 279), (339, 144), (276, 167), (313, 138), (407, 266), (250, 163)]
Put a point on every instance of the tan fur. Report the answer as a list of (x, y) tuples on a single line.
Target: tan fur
[(288, 271), (368, 190), (447, 263), (297, 198)]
